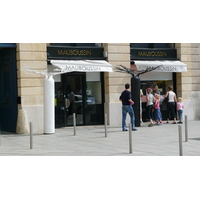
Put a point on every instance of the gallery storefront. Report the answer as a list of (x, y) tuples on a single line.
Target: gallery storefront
[(94, 93), (80, 89), (150, 55)]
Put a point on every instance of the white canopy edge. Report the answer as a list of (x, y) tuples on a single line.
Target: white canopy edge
[(82, 65), (164, 65)]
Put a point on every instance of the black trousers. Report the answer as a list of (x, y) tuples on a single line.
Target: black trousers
[(149, 110), (171, 106)]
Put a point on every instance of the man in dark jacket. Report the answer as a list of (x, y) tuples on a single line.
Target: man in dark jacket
[(127, 103)]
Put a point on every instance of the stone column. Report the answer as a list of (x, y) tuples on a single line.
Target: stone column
[(30, 86), (188, 86), (118, 54)]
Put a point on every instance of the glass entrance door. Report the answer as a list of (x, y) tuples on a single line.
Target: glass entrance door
[(79, 93), (69, 99), (74, 98)]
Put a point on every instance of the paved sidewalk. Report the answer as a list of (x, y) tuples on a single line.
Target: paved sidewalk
[(91, 141)]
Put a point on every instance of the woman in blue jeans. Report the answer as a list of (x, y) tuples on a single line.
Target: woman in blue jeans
[(127, 102)]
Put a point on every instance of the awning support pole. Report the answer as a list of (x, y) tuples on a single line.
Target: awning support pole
[(49, 113)]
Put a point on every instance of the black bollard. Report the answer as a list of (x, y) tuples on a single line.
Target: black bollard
[(135, 92)]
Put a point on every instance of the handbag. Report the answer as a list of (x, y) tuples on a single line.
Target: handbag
[(166, 99)]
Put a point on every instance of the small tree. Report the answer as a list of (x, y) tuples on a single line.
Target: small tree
[(135, 87)]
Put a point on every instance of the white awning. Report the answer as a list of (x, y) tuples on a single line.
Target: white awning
[(164, 65), (82, 65)]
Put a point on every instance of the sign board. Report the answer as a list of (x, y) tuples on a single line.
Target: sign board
[(153, 54), (75, 53)]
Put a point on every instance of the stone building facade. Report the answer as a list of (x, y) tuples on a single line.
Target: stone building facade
[(188, 83), (34, 56)]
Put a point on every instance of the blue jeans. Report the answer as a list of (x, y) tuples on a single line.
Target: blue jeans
[(157, 114), (180, 112), (127, 109)]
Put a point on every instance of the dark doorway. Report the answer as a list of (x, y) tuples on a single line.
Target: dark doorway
[(8, 89)]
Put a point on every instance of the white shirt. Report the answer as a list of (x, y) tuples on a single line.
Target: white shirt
[(171, 96), (150, 102)]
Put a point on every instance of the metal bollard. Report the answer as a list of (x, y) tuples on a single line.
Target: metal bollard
[(186, 128), (180, 140), (130, 138), (31, 136), (105, 125), (74, 122)]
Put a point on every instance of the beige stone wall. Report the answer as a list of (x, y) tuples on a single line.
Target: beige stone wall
[(118, 54), (188, 83), (30, 86)]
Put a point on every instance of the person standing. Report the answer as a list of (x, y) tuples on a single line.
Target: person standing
[(127, 102), (141, 95), (171, 105), (157, 110), (149, 106), (180, 108), (155, 92)]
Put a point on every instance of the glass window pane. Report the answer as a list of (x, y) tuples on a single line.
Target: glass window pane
[(94, 92)]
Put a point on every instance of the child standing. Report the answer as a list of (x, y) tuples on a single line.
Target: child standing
[(180, 108), (157, 110)]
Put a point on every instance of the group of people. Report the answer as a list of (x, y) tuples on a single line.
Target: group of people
[(152, 106)]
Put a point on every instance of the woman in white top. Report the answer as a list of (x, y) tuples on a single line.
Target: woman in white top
[(171, 105), (149, 106)]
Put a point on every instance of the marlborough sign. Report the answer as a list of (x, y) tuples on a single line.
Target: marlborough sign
[(153, 54), (75, 53)]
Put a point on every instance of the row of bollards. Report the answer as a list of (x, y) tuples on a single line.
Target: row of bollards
[(130, 133), (180, 135)]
